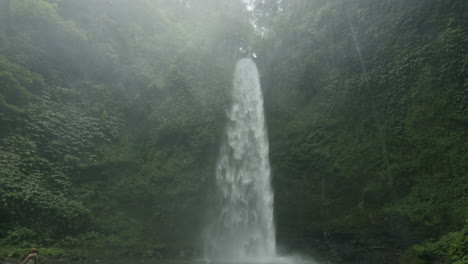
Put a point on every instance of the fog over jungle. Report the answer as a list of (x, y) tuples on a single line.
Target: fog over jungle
[(234, 130)]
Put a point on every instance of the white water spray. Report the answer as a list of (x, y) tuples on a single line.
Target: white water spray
[(244, 228)]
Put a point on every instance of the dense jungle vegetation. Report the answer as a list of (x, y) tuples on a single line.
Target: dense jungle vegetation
[(111, 115)]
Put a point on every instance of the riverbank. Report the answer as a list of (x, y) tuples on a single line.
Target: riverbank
[(86, 255)]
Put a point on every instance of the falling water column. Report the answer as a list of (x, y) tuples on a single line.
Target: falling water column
[(244, 228)]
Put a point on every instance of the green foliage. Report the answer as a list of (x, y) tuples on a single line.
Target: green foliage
[(16, 87), (450, 248), (95, 150), (111, 114), (35, 11), (11, 90), (367, 114), (51, 141), (411, 257)]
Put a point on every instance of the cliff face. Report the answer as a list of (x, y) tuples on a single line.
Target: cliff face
[(367, 118), (111, 114)]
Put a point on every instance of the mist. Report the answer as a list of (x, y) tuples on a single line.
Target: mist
[(128, 134)]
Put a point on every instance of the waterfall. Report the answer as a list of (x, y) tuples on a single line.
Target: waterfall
[(244, 226)]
